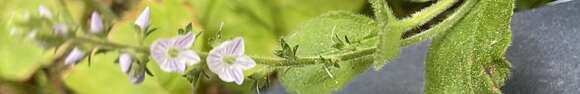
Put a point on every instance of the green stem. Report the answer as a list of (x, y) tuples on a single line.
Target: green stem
[(427, 14), (273, 61), (443, 26), (439, 28), (107, 44), (383, 12)]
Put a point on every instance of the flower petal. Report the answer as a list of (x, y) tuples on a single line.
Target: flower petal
[(159, 50), (143, 19), (245, 62), (74, 56), (189, 56), (230, 48), (125, 62), (96, 23), (225, 74), (185, 41), (173, 65), (238, 75)]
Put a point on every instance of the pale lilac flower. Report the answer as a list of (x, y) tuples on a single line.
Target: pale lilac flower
[(136, 73), (44, 12), (174, 54), (96, 25), (229, 62), (60, 29), (143, 19), (74, 56)]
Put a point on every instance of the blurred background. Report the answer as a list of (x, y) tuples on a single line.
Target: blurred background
[(263, 22)]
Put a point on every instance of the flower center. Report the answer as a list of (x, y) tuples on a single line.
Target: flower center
[(173, 52), (229, 59)]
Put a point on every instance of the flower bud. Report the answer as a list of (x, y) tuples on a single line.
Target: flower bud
[(143, 19), (96, 25)]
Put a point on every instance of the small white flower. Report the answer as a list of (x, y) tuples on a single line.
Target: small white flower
[(125, 62), (229, 62), (96, 25), (44, 12), (173, 54), (143, 19), (74, 56), (136, 72)]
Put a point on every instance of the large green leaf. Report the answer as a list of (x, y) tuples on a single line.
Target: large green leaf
[(316, 38), (469, 58)]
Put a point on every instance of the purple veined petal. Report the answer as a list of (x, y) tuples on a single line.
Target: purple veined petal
[(245, 62), (143, 19), (74, 56), (172, 65), (234, 47), (96, 25), (225, 74), (215, 62), (44, 12), (158, 50), (238, 75), (185, 41), (189, 56), (125, 62), (229, 48), (60, 29)]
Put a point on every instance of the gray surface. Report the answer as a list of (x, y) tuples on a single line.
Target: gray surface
[(545, 55)]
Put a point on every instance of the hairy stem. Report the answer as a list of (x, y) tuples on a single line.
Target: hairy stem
[(382, 11), (443, 26), (426, 15)]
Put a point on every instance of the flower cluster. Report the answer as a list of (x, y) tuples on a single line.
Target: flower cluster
[(226, 60), (174, 55)]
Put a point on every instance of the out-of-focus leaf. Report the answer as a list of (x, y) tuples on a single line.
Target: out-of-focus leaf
[(105, 77), (20, 57), (316, 38), (469, 58), (263, 22)]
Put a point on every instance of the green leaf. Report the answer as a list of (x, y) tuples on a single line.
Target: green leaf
[(469, 58), (315, 38)]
